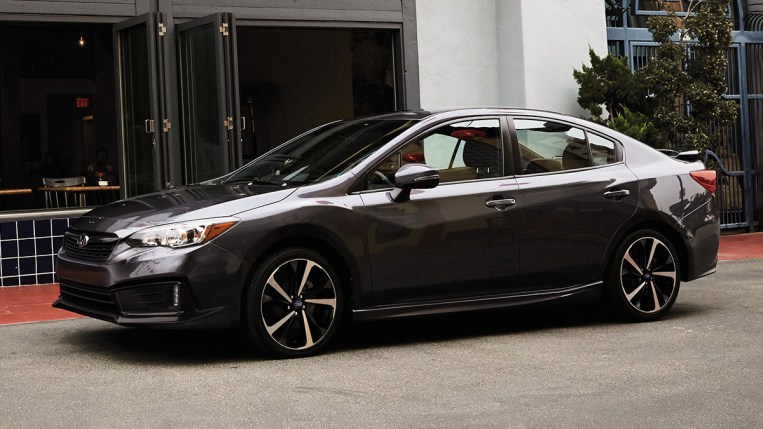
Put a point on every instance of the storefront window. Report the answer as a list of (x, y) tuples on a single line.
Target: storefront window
[(292, 80), (57, 116)]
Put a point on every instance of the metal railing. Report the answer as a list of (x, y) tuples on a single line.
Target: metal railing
[(735, 205)]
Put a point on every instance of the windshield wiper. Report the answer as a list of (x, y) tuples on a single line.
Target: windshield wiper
[(286, 159), (256, 181)]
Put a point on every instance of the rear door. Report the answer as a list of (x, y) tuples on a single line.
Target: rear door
[(574, 193)]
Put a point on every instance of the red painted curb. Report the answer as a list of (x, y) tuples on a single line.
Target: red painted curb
[(24, 304), (741, 246)]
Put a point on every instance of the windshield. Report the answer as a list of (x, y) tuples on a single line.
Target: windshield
[(322, 154)]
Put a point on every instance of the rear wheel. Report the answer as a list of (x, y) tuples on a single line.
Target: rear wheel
[(644, 277), (293, 305)]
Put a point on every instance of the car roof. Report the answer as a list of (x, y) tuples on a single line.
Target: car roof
[(420, 114)]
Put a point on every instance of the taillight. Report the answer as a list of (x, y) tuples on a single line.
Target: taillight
[(706, 178)]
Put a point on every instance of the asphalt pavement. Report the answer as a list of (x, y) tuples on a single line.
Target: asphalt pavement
[(568, 366)]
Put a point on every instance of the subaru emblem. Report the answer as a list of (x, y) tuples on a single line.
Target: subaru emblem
[(82, 240)]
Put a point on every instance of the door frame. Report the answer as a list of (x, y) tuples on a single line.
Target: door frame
[(150, 20), (164, 55), (226, 65)]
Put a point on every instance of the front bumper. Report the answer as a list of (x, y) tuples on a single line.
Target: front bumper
[(198, 286), (154, 304)]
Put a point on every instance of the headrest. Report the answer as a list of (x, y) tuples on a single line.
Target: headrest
[(482, 155), (575, 155), (542, 165)]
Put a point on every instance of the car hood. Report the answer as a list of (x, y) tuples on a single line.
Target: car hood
[(177, 205)]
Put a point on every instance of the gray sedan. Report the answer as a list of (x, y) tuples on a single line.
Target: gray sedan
[(405, 214)]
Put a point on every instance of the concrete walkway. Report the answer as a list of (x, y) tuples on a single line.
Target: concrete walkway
[(24, 304)]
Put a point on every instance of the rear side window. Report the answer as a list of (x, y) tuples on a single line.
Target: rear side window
[(603, 151), (547, 146)]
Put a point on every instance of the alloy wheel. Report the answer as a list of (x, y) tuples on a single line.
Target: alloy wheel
[(298, 304), (648, 275)]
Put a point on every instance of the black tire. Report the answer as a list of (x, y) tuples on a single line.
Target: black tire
[(299, 311), (644, 277)]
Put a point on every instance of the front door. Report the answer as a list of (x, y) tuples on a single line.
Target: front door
[(454, 241)]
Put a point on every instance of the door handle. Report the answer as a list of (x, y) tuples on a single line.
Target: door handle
[(500, 205), (619, 193), (149, 124)]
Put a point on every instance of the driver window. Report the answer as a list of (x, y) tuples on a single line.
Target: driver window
[(465, 150)]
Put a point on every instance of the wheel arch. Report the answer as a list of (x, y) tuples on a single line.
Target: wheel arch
[(315, 238), (664, 228)]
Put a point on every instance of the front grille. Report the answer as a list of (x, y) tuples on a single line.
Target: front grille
[(97, 247), (87, 296), (159, 294)]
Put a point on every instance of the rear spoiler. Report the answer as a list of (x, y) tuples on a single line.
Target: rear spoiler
[(689, 155)]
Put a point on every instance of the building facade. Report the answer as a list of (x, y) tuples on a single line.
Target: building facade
[(148, 94)]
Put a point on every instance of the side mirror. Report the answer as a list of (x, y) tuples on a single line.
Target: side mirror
[(413, 176)]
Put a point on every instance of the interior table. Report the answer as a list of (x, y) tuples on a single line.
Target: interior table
[(79, 193), (17, 191)]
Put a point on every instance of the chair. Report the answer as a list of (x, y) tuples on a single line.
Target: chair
[(60, 182)]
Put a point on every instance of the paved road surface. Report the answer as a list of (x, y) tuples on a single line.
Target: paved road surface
[(551, 367)]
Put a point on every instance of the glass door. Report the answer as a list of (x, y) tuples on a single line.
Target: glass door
[(137, 53), (209, 101)]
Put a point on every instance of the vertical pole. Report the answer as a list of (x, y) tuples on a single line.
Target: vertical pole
[(749, 199), (410, 58)]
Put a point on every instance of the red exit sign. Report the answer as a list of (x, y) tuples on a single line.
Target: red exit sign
[(82, 102)]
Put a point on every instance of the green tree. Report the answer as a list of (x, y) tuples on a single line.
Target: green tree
[(609, 82), (638, 126), (687, 76)]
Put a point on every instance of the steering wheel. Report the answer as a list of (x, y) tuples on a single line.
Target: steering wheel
[(383, 177)]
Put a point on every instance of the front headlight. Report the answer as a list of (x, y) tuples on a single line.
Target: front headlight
[(181, 234)]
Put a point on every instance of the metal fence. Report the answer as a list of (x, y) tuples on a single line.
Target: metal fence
[(736, 153)]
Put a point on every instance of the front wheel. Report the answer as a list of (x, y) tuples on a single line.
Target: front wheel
[(644, 277), (293, 305)]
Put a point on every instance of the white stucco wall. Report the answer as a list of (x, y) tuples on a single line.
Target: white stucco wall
[(506, 52), (457, 53)]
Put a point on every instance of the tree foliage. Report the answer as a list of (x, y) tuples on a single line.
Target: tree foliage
[(607, 81), (687, 76), (638, 126), (678, 96)]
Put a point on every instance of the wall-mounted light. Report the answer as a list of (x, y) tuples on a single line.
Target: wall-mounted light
[(81, 42)]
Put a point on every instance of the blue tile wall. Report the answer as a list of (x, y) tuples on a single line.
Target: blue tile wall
[(27, 248)]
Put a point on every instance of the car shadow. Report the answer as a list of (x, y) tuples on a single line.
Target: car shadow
[(163, 346), (506, 321), (193, 347)]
